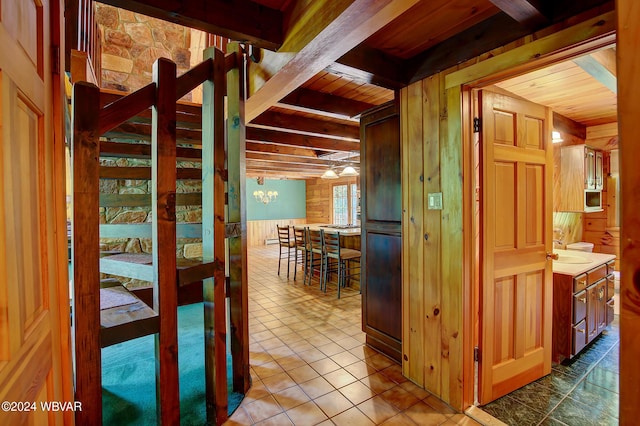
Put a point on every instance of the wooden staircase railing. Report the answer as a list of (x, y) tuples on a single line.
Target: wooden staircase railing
[(221, 76)]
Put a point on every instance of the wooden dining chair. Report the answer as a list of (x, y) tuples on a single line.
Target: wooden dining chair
[(316, 255), (301, 251), (344, 261), (287, 246)]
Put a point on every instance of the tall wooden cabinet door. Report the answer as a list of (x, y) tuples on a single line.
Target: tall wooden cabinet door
[(33, 256), (516, 234), (381, 241)]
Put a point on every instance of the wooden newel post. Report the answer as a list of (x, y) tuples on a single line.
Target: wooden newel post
[(85, 253), (213, 238), (163, 207), (237, 221)]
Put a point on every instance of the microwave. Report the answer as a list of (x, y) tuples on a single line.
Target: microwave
[(592, 200)]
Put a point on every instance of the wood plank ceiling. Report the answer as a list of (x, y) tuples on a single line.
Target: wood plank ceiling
[(324, 62)]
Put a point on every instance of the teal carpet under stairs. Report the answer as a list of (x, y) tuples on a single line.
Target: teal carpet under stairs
[(128, 376)]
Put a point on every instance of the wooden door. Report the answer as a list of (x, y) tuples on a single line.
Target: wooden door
[(34, 326), (516, 234)]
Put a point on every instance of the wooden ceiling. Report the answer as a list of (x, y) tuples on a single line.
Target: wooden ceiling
[(583, 90), (324, 62)]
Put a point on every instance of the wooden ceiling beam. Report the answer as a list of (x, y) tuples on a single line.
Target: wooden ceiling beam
[(240, 20), (598, 71), (286, 160), (323, 32), (272, 120), (489, 34), (323, 103), (269, 165), (564, 124), (300, 140), (365, 64), (270, 148), (526, 12), (291, 159)]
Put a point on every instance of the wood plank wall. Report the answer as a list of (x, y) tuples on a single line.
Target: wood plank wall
[(437, 260), (259, 230), (319, 197), (432, 243), (628, 17)]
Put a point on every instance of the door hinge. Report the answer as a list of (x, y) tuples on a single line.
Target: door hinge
[(476, 125), (476, 354), (55, 59)]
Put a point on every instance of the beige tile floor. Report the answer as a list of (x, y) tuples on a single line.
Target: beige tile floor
[(309, 363)]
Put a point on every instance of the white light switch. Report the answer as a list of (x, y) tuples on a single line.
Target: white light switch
[(434, 201)]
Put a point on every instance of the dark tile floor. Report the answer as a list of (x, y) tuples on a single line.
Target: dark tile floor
[(582, 391)]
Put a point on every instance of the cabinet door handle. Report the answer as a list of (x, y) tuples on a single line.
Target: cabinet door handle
[(583, 299), (580, 330), (601, 294), (554, 256)]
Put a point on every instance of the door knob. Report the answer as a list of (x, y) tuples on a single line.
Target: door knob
[(553, 256)]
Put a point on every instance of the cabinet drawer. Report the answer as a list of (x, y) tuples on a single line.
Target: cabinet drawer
[(579, 336), (596, 274), (611, 286), (610, 311), (579, 306), (579, 283)]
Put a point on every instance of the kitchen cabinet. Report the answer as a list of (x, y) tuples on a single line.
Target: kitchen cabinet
[(581, 169), (582, 308), (381, 215)]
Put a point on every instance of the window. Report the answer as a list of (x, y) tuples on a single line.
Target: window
[(345, 204)]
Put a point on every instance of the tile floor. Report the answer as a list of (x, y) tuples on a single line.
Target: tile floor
[(581, 392), (309, 364)]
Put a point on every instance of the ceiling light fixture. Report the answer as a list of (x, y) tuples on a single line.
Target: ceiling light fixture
[(329, 174), (349, 171)]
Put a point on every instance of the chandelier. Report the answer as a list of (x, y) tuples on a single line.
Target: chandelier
[(265, 197)]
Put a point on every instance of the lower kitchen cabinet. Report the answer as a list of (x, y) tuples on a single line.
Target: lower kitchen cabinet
[(582, 308)]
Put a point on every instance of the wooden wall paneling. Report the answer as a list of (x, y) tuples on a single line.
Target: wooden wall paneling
[(213, 242), (237, 210), (260, 230), (413, 362), (628, 38), (433, 109), (320, 198), (86, 299), (165, 292), (452, 251)]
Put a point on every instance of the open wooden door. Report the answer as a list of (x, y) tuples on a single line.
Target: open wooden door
[(35, 363), (516, 235)]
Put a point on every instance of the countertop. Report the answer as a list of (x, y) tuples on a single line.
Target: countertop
[(353, 230), (573, 269)]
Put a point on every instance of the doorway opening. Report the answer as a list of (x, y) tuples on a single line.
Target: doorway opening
[(579, 91)]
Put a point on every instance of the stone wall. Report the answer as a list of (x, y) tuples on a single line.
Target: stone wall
[(131, 43)]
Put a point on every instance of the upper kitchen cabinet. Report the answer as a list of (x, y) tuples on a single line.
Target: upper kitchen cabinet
[(581, 179)]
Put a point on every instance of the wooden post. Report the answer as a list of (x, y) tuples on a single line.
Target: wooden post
[(237, 220), (86, 269), (628, 14), (213, 236), (163, 206)]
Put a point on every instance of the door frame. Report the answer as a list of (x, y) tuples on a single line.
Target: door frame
[(548, 50)]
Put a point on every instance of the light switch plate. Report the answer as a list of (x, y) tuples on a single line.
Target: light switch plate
[(434, 201)]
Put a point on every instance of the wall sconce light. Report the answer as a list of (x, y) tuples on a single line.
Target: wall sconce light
[(556, 137)]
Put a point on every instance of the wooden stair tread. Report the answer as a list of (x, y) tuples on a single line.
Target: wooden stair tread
[(125, 321), (139, 266)]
